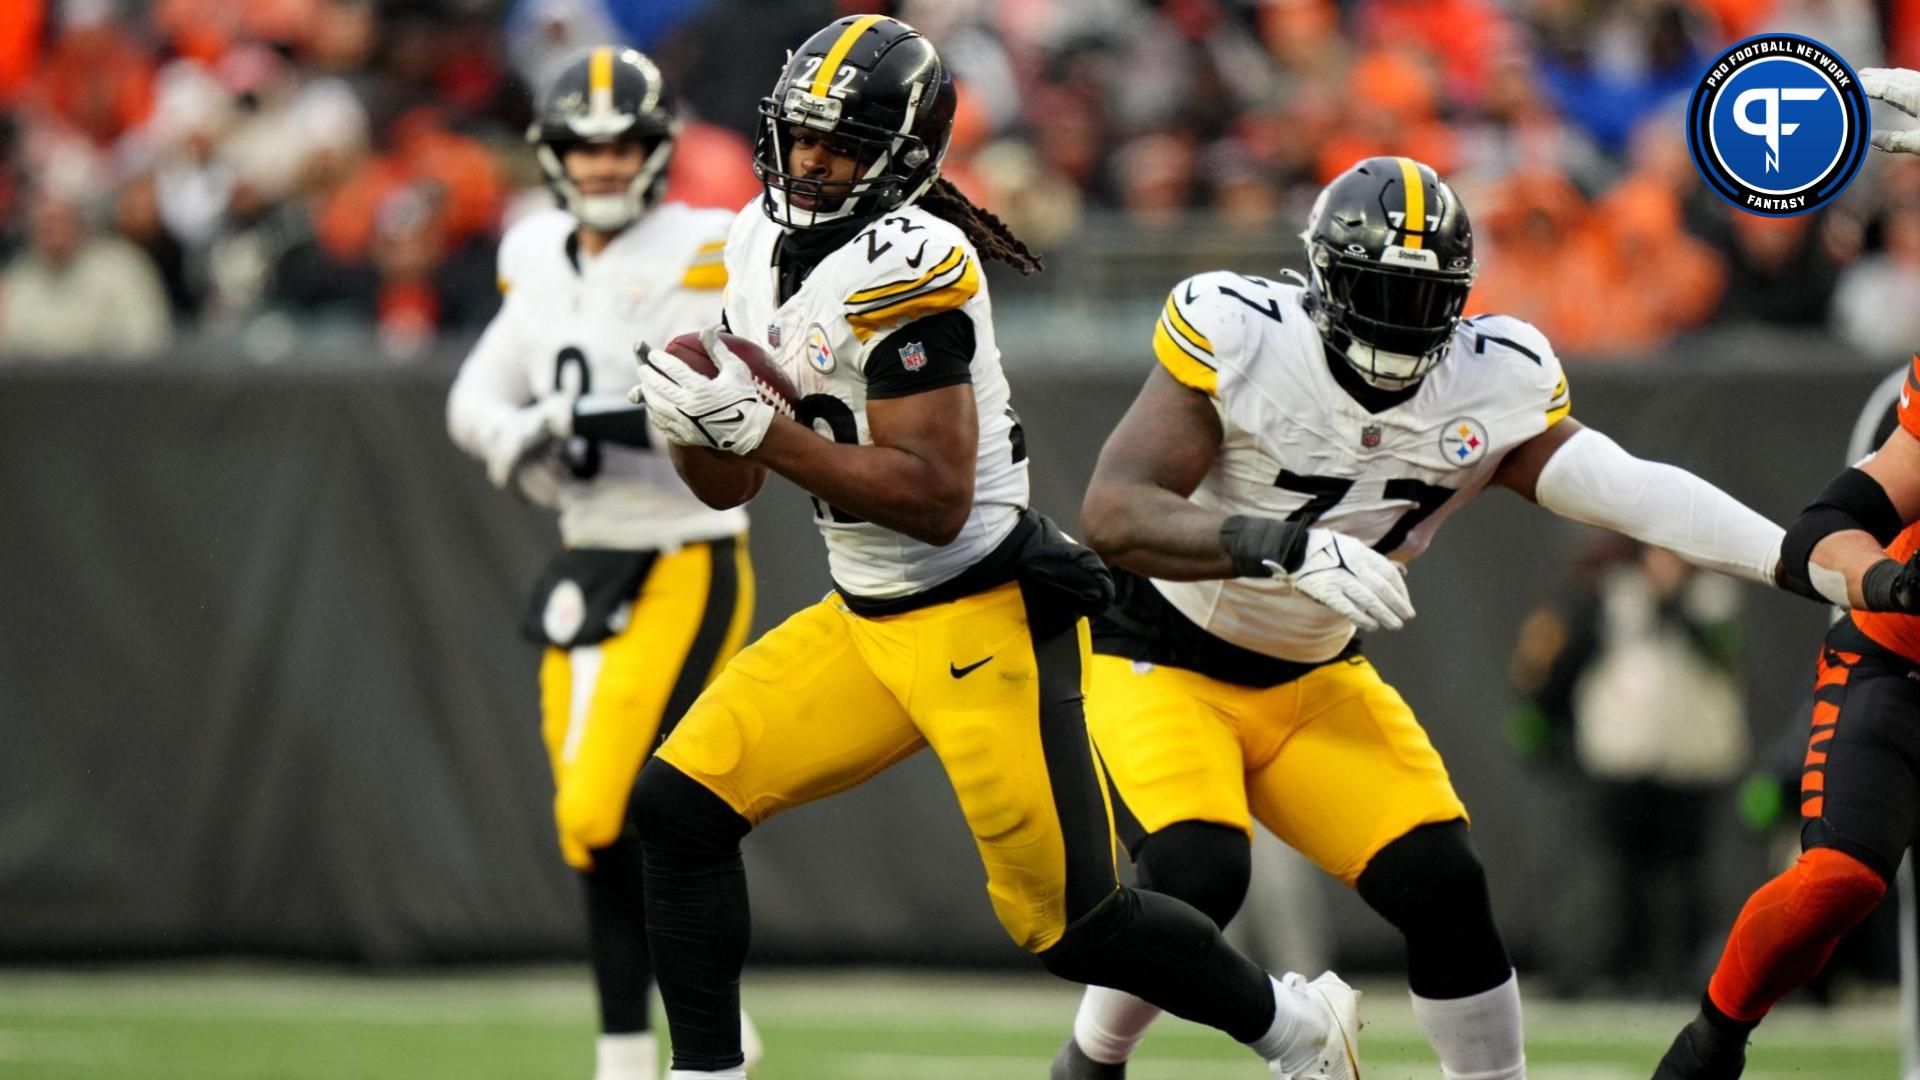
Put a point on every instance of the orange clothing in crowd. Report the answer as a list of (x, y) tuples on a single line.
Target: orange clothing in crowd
[(20, 25), (99, 79), (712, 167)]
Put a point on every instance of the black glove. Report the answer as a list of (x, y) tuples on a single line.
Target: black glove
[(1252, 542), (1889, 586)]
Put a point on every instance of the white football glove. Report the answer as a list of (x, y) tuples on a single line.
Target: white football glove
[(1900, 88), (724, 412), (1366, 587), (525, 432)]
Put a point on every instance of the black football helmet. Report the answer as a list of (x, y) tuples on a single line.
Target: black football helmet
[(1390, 254), (873, 86), (607, 94)]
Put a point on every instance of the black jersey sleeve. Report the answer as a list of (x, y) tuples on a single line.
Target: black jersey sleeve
[(925, 354)]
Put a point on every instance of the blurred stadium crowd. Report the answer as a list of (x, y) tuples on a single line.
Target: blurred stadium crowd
[(178, 170)]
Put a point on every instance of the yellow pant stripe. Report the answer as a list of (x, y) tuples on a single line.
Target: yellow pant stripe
[(604, 704)]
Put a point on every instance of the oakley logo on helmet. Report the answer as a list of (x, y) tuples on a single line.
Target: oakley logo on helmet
[(1778, 125)]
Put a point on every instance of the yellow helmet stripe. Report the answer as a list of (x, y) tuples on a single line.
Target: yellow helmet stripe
[(1416, 223), (600, 81), (823, 79)]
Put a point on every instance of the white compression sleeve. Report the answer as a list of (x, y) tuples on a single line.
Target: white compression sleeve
[(1590, 479)]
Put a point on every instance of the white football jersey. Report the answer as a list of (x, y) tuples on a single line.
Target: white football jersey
[(1296, 444), (906, 266), (568, 324)]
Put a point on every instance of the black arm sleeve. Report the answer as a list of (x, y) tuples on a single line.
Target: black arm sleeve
[(612, 420), (1853, 501), (925, 354)]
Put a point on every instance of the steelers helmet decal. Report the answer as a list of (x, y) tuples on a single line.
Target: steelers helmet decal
[(1390, 261), (606, 94), (872, 87)]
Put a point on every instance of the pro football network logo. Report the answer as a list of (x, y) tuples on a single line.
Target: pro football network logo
[(1778, 125)]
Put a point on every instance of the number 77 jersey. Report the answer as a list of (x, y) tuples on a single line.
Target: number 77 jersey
[(1298, 446)]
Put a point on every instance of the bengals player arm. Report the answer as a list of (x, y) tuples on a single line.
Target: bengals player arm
[(1136, 513), (1580, 474), (1836, 549)]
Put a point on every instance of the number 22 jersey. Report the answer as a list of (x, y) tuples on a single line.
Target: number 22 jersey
[(1297, 444), (846, 336)]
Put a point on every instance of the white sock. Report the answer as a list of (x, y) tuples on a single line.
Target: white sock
[(1298, 1032), (750, 1042), (1111, 1023), (627, 1057), (736, 1073), (1478, 1037)]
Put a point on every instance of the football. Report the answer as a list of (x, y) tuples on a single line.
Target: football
[(773, 386)]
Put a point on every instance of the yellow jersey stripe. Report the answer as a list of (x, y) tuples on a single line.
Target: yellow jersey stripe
[(1560, 404), (866, 324), (711, 246), (705, 275), (881, 292), (503, 283), (1416, 223), (1180, 323), (823, 79), (1185, 369)]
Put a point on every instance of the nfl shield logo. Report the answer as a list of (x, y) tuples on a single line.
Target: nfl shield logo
[(773, 334), (1370, 436), (913, 356)]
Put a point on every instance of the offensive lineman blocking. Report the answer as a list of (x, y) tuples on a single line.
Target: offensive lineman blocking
[(1295, 446), (652, 591), (957, 617)]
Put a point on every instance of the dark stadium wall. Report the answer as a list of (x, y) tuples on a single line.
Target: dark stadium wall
[(261, 688)]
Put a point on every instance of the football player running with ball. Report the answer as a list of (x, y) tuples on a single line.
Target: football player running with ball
[(1295, 447), (956, 620), (1857, 546), (652, 591)]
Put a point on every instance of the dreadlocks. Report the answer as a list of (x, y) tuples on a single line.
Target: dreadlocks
[(985, 229)]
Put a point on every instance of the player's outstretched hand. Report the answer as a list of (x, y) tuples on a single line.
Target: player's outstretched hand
[(723, 413), (1352, 579), (1900, 88)]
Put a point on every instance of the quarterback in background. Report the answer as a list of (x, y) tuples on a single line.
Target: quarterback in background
[(957, 616), (1294, 448), (1857, 546), (651, 592)]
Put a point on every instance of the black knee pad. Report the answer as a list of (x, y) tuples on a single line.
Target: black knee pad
[(1429, 884), (672, 812), (1205, 864)]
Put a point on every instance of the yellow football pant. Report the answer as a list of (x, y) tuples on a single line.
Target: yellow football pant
[(830, 698), (1333, 762), (604, 706)]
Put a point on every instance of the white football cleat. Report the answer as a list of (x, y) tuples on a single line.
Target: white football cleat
[(1339, 1058)]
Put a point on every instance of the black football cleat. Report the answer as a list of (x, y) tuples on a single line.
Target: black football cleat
[(1704, 1052), (1074, 1064)]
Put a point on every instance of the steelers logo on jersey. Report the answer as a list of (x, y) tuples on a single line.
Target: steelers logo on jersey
[(819, 353), (1463, 442)]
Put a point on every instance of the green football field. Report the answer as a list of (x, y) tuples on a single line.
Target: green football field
[(216, 1023)]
